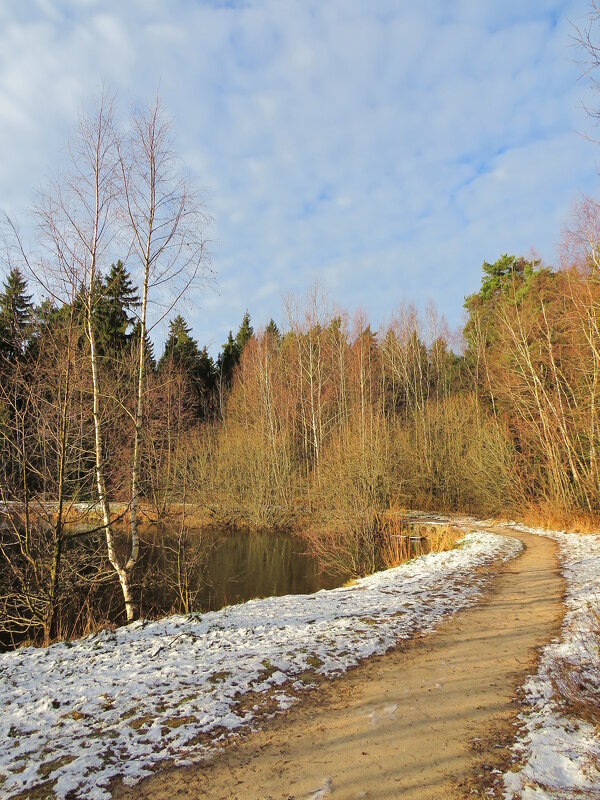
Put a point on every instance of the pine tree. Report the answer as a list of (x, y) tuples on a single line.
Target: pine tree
[(16, 316), (507, 272)]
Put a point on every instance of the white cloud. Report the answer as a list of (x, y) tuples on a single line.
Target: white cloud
[(387, 149)]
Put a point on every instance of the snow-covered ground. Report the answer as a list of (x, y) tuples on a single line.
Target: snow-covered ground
[(76, 715), (558, 755)]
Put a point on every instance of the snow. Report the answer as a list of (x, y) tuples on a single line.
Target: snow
[(557, 754), (74, 716)]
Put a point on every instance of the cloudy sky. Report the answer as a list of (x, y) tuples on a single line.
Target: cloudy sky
[(385, 147)]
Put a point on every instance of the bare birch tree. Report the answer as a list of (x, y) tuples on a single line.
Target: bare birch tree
[(165, 223), (78, 221), (123, 191)]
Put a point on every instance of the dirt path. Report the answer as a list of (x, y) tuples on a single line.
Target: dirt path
[(424, 721)]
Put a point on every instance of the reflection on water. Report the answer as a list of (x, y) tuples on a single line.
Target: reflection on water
[(241, 566), (222, 567), (246, 565), (206, 570)]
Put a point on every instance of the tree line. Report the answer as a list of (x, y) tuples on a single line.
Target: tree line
[(324, 426), (321, 424)]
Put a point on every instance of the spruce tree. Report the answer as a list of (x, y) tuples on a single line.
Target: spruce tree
[(16, 316), (244, 334), (118, 298), (230, 355), (181, 348), (273, 332), (227, 361), (206, 372), (4, 339), (134, 339)]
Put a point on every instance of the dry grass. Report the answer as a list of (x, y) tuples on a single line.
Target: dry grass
[(441, 537), (400, 540), (379, 541), (393, 534), (549, 517), (576, 681)]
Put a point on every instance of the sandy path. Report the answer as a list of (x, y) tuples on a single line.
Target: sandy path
[(425, 721)]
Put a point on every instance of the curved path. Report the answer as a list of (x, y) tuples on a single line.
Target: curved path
[(428, 720)]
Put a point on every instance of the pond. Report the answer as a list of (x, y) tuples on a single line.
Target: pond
[(212, 568), (195, 571), (227, 566)]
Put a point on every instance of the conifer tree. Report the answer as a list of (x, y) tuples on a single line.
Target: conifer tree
[(134, 339), (226, 363), (181, 348), (244, 334), (206, 372), (16, 315), (118, 299), (273, 331), (228, 358), (230, 355)]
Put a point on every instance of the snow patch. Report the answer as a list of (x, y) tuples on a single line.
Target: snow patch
[(321, 793), (75, 716), (558, 755)]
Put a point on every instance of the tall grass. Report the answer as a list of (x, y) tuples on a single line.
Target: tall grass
[(379, 542)]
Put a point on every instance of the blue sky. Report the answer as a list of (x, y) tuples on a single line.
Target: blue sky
[(384, 148)]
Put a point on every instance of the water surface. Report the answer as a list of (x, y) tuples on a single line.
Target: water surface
[(223, 567)]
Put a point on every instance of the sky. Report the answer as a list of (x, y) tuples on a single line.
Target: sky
[(382, 147)]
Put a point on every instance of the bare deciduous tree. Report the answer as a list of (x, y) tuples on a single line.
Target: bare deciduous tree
[(165, 222), (122, 191)]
